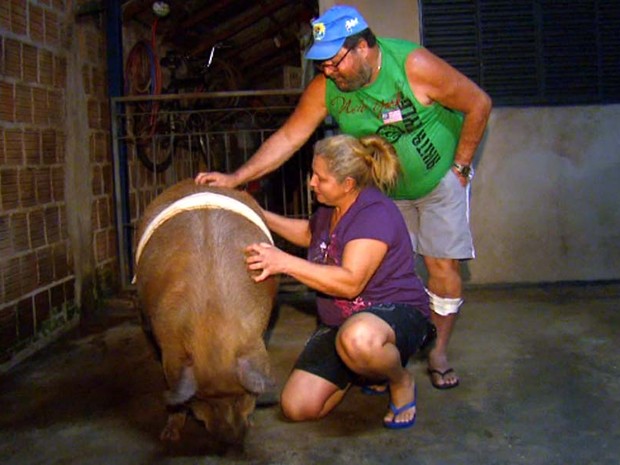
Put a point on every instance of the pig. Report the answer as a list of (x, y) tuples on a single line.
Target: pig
[(204, 312)]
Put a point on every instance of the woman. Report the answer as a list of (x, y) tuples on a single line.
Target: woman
[(372, 307)]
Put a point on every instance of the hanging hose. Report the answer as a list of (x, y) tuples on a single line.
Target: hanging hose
[(143, 77)]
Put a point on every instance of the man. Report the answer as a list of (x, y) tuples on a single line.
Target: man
[(433, 115)]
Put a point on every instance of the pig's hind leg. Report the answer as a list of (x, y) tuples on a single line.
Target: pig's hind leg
[(175, 423)]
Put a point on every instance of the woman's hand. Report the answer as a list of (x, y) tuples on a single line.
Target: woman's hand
[(266, 259)]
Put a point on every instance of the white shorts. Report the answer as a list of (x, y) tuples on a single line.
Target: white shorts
[(438, 223)]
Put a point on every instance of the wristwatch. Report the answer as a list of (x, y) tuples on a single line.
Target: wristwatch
[(467, 171)]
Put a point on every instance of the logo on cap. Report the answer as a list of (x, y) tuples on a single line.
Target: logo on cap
[(350, 24), (318, 30)]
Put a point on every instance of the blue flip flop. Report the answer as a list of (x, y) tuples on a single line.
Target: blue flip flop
[(371, 390), (397, 410)]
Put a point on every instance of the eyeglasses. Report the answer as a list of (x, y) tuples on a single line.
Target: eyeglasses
[(322, 66)]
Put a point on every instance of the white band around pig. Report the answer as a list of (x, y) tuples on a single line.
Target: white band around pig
[(200, 201)]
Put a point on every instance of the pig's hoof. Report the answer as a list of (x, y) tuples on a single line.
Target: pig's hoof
[(172, 430), (170, 434)]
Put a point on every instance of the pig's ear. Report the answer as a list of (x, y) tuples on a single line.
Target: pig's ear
[(253, 376)]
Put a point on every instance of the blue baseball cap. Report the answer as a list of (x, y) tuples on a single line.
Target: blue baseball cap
[(332, 29)]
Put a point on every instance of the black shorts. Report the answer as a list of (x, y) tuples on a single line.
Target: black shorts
[(320, 358)]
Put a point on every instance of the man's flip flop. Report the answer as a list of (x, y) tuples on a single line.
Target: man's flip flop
[(393, 424), (442, 375)]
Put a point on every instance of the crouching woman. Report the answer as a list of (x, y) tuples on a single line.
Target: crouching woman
[(372, 307)]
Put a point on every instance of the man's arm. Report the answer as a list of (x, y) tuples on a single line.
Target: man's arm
[(433, 80), (282, 144)]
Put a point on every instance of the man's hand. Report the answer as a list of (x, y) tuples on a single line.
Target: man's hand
[(462, 179), (217, 179)]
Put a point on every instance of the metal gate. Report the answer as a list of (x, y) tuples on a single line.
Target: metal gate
[(160, 140)]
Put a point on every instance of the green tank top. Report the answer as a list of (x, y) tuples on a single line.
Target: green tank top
[(425, 137)]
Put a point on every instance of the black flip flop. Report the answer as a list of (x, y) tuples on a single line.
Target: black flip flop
[(442, 374)]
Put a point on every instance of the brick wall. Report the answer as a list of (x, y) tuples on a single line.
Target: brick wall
[(37, 277), (94, 76)]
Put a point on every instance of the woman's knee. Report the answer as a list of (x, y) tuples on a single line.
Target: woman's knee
[(295, 409), (357, 342)]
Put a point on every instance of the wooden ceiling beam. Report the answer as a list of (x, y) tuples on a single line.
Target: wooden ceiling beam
[(203, 14), (258, 59), (247, 45), (258, 13), (134, 7), (266, 69)]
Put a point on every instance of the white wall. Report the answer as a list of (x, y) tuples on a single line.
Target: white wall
[(545, 199), (391, 18)]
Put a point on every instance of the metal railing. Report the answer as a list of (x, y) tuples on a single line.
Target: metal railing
[(160, 140)]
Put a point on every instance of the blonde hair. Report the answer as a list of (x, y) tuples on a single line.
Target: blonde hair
[(369, 160)]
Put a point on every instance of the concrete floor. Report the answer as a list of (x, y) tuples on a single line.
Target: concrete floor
[(539, 369)]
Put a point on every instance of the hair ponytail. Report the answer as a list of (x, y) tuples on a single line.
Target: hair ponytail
[(370, 160), (384, 163)]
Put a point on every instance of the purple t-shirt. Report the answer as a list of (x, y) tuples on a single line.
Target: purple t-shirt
[(372, 216)]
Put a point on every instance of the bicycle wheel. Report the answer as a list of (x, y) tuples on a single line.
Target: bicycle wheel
[(155, 152), (222, 77), (142, 77)]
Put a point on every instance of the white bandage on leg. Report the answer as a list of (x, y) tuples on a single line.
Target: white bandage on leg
[(444, 306)]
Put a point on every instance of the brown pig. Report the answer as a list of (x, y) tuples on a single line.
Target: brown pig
[(205, 313)]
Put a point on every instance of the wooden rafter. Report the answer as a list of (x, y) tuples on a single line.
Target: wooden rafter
[(257, 13)]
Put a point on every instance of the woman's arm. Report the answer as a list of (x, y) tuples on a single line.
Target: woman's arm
[(360, 260), (293, 230)]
